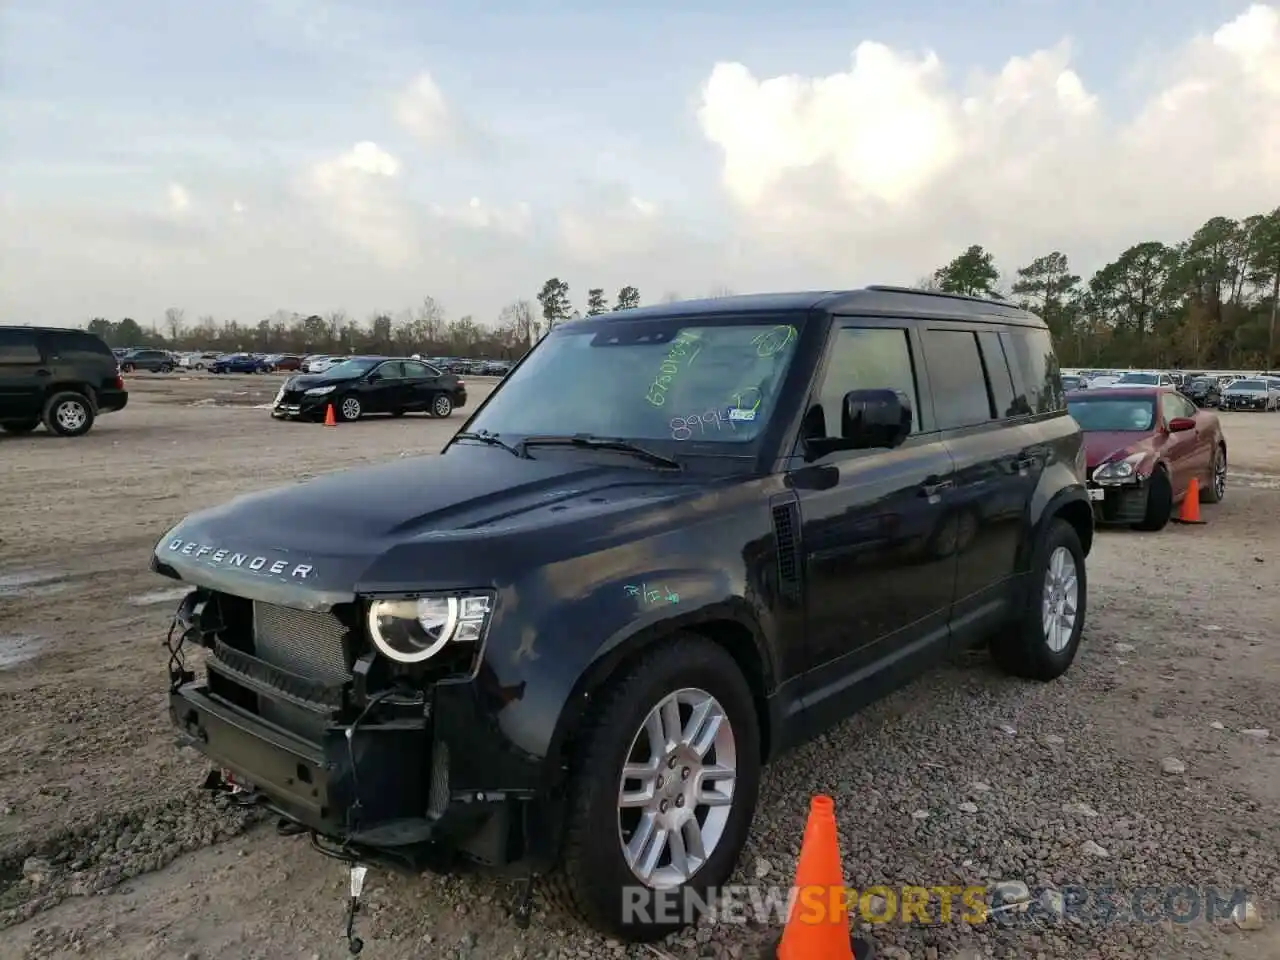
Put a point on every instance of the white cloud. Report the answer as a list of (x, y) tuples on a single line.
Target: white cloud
[(515, 219), (179, 199), (888, 169), (355, 195), (423, 111)]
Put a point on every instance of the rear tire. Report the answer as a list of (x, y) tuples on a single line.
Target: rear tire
[(1042, 643), (1159, 503), (441, 405), (20, 427), (68, 414), (592, 879), (1216, 489)]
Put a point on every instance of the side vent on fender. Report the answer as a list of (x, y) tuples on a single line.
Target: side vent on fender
[(786, 532)]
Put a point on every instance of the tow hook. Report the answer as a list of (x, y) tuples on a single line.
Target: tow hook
[(221, 782)]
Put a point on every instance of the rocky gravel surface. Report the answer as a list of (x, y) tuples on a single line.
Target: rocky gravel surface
[(1150, 770)]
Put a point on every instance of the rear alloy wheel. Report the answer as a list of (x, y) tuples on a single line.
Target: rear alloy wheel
[(1216, 489), (68, 414), (20, 426), (664, 787), (349, 409), (1042, 644), (441, 406), (1159, 502)]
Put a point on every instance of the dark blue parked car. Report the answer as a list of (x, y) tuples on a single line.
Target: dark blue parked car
[(238, 363)]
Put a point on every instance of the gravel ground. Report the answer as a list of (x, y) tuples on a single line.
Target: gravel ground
[(1137, 770)]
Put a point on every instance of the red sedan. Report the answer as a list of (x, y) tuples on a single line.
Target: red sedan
[(1144, 445)]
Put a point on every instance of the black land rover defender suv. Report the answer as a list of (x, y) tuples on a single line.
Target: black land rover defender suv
[(672, 543), (63, 378)]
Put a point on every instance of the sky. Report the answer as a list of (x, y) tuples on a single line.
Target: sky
[(241, 157)]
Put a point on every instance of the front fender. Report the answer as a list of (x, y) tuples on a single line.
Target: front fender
[(558, 649)]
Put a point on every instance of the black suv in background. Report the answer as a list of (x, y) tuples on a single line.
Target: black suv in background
[(672, 543), (155, 361), (1203, 391), (63, 378)]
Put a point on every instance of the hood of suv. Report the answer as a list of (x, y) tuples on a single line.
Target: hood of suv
[(426, 520)]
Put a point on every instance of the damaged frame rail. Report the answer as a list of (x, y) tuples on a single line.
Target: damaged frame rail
[(351, 793)]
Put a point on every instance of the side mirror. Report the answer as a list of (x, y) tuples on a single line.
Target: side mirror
[(869, 419), (373, 377), (1181, 424), (875, 418)]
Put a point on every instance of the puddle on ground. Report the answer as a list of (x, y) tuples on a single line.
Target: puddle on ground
[(31, 583), (159, 596), (16, 648)]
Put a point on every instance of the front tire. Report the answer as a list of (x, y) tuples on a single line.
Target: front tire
[(1159, 502), (349, 409), (1042, 643), (662, 792), (68, 414)]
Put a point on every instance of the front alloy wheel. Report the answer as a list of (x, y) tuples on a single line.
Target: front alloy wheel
[(666, 769), (677, 788), (350, 408)]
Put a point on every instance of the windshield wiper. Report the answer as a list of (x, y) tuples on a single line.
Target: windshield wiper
[(590, 442), (493, 441)]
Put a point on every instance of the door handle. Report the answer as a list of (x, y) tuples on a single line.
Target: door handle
[(934, 486), (43, 373)]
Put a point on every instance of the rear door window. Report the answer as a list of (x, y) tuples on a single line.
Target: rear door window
[(961, 397)]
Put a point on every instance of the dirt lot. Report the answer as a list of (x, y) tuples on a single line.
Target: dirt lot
[(108, 849)]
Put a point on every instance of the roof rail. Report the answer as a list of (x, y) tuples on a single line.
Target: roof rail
[(889, 288)]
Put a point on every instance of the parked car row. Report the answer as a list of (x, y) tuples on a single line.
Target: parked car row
[(1228, 391)]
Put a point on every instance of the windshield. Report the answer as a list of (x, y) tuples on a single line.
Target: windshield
[(1142, 379), (646, 381), (1118, 414), (1247, 385), (351, 368)]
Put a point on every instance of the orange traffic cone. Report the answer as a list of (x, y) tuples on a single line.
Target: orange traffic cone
[(1190, 512), (818, 926), (329, 420)]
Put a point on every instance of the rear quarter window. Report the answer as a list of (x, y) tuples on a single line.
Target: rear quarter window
[(18, 346), (1037, 378)]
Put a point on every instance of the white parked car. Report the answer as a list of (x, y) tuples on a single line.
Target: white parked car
[(1141, 378), (320, 364), (1250, 393)]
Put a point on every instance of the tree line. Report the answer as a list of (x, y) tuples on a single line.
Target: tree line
[(1207, 302), (423, 329)]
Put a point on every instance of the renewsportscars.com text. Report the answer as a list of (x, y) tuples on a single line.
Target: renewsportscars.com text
[(940, 904)]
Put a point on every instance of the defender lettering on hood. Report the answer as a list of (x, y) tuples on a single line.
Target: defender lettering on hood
[(244, 561)]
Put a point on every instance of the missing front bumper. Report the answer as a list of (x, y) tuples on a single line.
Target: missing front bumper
[(382, 792)]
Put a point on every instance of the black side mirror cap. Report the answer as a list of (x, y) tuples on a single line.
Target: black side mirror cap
[(869, 419)]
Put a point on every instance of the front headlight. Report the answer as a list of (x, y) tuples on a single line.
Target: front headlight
[(411, 631), (1116, 470), (319, 391)]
